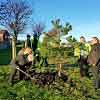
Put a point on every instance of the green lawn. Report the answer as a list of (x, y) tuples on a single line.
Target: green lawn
[(6, 55)]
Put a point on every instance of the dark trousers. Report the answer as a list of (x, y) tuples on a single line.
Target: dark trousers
[(96, 75), (21, 76), (82, 62), (44, 62)]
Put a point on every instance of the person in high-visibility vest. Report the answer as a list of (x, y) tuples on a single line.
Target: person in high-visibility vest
[(44, 53), (81, 51), (77, 51)]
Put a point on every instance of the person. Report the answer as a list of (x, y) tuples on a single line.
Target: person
[(22, 60), (82, 51), (94, 61), (28, 41), (37, 57), (44, 53), (35, 43)]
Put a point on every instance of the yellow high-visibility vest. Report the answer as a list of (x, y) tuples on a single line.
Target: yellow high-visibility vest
[(87, 49)]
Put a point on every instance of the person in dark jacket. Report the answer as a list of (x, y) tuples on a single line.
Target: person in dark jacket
[(94, 61), (84, 48), (35, 43), (23, 59), (28, 41)]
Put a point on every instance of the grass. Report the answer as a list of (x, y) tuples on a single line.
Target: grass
[(6, 55), (82, 88)]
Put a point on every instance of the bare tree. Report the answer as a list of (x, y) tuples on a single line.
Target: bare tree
[(38, 29), (15, 14), (37, 32)]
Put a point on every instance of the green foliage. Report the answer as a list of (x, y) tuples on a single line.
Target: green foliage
[(66, 28), (64, 52), (61, 29), (56, 23), (71, 39), (75, 88)]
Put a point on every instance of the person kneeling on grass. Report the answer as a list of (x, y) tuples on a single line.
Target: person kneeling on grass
[(22, 61)]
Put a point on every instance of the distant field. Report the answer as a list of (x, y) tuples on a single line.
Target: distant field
[(5, 55)]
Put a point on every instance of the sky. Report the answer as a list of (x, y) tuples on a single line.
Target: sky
[(83, 15)]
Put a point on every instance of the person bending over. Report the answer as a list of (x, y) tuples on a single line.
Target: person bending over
[(22, 60)]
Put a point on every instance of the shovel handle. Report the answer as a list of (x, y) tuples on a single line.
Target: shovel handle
[(24, 72)]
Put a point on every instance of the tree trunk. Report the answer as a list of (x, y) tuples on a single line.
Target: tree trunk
[(13, 48), (15, 34)]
